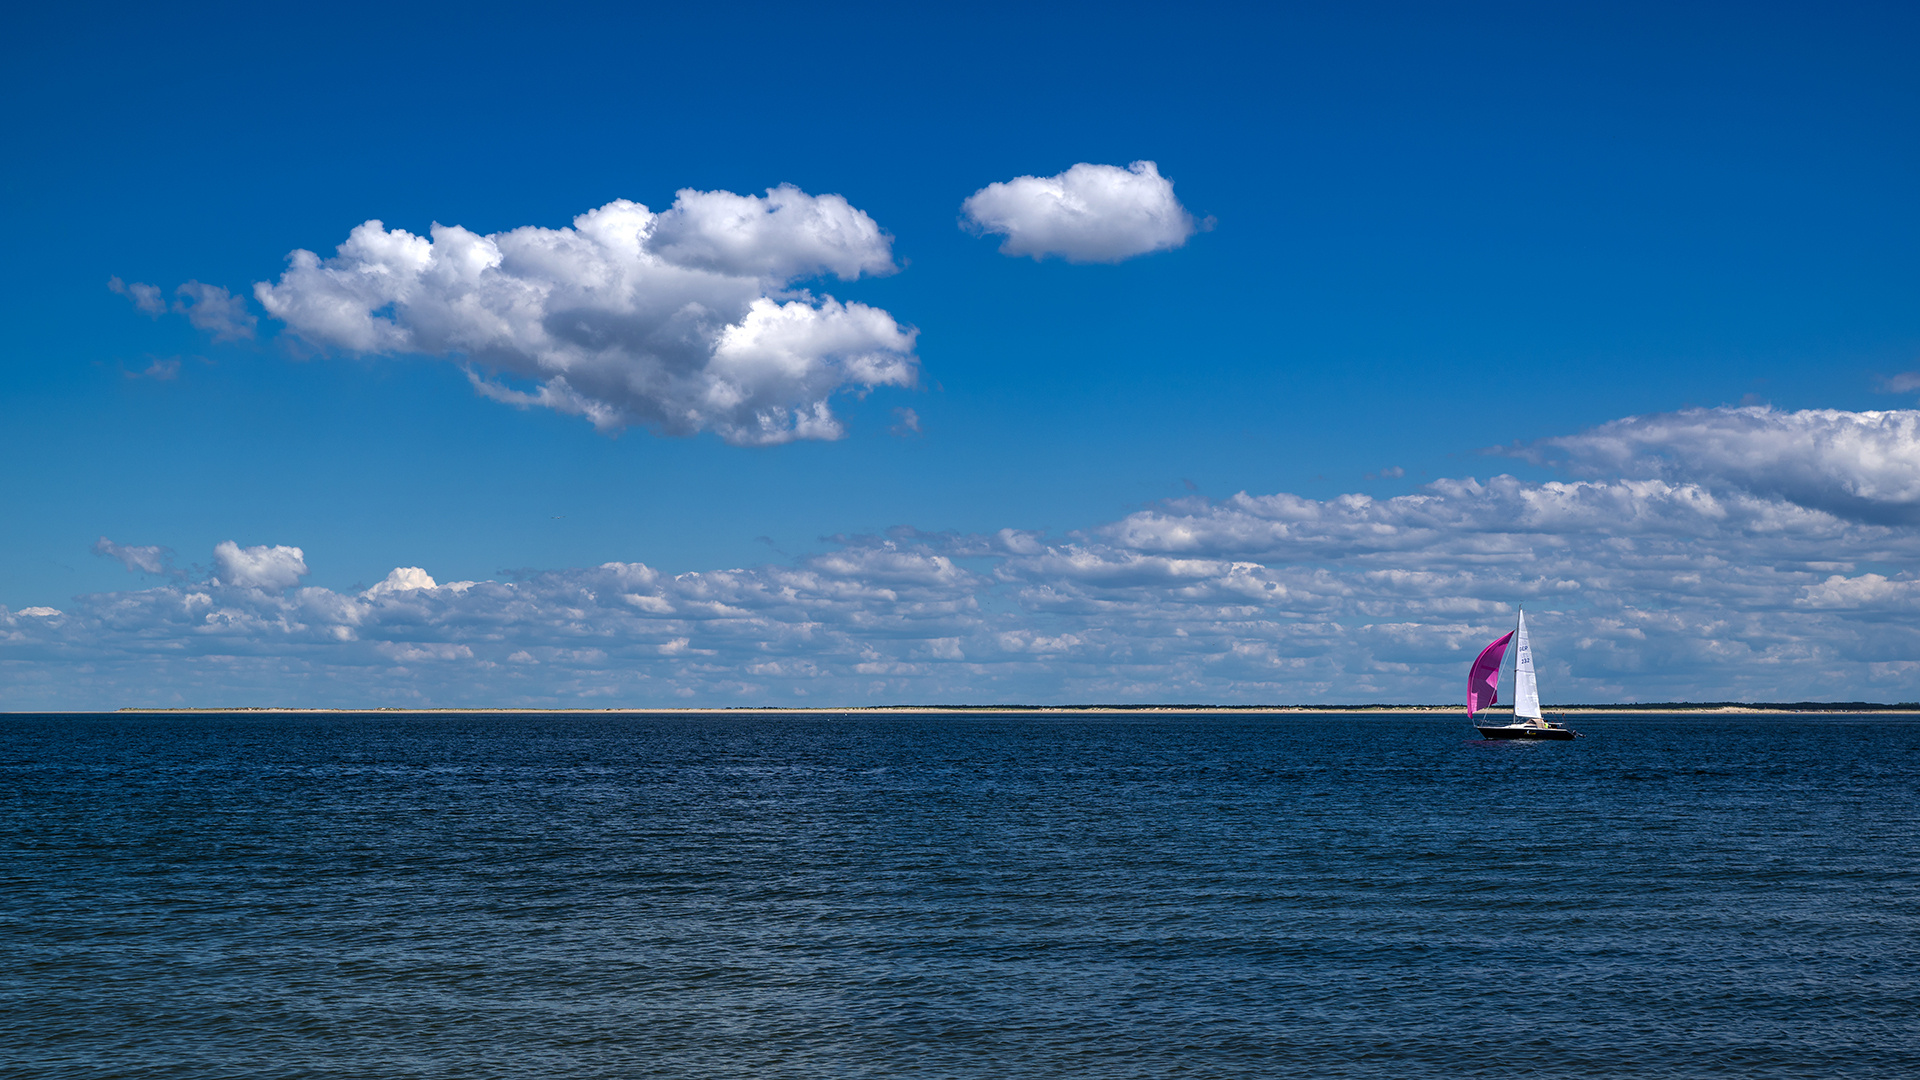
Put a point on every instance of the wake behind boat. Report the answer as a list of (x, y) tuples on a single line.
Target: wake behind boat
[(1483, 689)]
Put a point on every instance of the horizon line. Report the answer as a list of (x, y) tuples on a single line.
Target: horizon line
[(1094, 708)]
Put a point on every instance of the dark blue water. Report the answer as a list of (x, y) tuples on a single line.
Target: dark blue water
[(933, 896)]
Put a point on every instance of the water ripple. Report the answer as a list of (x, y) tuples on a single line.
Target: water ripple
[(939, 896)]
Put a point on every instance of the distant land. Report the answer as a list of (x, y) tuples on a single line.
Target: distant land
[(1662, 707)]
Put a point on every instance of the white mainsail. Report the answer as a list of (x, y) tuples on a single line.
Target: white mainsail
[(1526, 692)]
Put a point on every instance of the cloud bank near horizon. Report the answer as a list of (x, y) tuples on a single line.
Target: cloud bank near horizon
[(1088, 214), (683, 321), (1687, 573)]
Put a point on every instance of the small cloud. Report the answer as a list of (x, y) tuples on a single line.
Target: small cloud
[(409, 653), (907, 422), (402, 579), (143, 558), (1904, 383), (1088, 214), (163, 369), (260, 567), (786, 234), (208, 307), (215, 310), (947, 648), (145, 297), (1391, 472), (40, 612)]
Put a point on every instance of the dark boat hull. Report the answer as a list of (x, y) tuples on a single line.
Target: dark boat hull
[(1522, 731)]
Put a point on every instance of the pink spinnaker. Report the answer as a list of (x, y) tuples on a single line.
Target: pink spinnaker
[(1483, 679)]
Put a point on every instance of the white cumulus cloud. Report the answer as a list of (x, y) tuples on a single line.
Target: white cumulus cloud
[(1859, 464), (1088, 214), (684, 321)]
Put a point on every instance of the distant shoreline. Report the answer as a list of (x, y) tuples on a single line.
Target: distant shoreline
[(1704, 709)]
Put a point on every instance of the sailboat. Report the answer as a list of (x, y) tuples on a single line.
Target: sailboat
[(1483, 689)]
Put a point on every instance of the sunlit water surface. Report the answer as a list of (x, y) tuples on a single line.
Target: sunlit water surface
[(940, 896)]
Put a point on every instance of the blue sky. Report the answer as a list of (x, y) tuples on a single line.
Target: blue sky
[(1435, 229)]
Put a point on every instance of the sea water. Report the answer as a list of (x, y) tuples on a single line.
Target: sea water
[(366, 896)]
